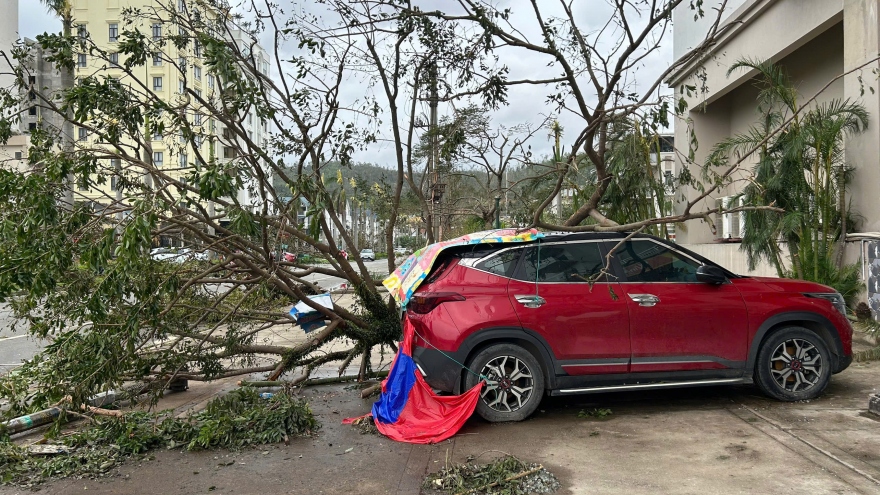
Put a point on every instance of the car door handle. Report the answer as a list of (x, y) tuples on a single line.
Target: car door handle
[(530, 300), (646, 300)]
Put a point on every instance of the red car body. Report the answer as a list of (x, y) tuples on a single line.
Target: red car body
[(609, 333)]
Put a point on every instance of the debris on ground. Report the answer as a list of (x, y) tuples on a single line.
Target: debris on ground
[(506, 475), (236, 420), (595, 413), (365, 426)]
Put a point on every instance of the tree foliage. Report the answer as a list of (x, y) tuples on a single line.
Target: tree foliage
[(77, 226)]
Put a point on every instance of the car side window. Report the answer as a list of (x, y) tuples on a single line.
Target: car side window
[(648, 261), (501, 264), (571, 262)]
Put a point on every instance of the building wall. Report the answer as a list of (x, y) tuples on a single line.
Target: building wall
[(810, 67), (177, 68), (8, 36)]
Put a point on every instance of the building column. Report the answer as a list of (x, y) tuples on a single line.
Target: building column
[(861, 31)]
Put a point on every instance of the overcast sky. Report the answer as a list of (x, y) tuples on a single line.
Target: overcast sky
[(527, 103)]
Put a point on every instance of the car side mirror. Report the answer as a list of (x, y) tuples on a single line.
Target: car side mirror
[(709, 274)]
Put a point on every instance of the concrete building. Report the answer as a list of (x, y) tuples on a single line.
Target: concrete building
[(256, 129), (815, 41), (42, 78), (13, 154), (172, 74)]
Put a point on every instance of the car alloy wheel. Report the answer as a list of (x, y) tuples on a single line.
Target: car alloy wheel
[(796, 365), (514, 382), (793, 364), (509, 386)]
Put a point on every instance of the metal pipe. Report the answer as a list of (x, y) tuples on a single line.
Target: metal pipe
[(31, 421)]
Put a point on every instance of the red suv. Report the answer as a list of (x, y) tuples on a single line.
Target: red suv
[(547, 317)]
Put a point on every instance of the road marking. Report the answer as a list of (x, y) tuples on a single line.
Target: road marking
[(13, 338)]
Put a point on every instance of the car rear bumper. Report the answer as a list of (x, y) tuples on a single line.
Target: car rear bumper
[(440, 372)]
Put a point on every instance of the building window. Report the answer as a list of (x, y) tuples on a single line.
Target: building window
[(181, 86), (181, 5), (32, 95), (197, 119), (157, 84), (80, 60), (32, 126), (210, 81), (81, 31), (181, 62), (228, 152), (158, 158), (199, 93), (113, 183), (197, 49), (157, 59), (114, 59), (18, 155), (32, 110), (83, 134), (197, 72), (157, 32), (183, 160), (114, 32), (181, 31), (157, 136), (32, 80)]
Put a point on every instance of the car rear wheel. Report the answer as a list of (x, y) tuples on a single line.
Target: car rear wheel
[(793, 364), (515, 382)]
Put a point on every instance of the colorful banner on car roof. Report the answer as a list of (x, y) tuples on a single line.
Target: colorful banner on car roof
[(408, 276)]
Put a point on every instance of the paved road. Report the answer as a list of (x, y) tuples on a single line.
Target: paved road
[(328, 282), (15, 344)]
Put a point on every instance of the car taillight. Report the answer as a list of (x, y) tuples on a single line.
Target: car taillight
[(425, 302)]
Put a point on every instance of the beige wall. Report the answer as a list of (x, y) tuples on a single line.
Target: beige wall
[(729, 107), (729, 256), (862, 43)]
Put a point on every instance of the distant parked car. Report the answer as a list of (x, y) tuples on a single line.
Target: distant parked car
[(399, 250), (289, 257), (368, 255), (180, 255)]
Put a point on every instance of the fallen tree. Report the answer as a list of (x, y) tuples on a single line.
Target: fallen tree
[(198, 167)]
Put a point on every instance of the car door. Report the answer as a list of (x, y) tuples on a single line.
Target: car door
[(558, 291), (676, 322)]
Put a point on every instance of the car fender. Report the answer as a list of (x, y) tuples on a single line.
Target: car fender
[(829, 334), (535, 344)]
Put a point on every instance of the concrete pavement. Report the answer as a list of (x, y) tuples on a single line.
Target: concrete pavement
[(722, 440)]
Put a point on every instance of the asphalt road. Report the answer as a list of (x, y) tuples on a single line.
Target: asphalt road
[(327, 282), (15, 344)]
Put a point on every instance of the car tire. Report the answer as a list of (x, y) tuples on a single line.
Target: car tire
[(793, 364), (519, 391)]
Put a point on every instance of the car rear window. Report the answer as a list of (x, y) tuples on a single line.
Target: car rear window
[(501, 264), (569, 262)]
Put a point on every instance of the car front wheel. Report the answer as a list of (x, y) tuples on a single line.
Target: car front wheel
[(793, 364), (514, 382)]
